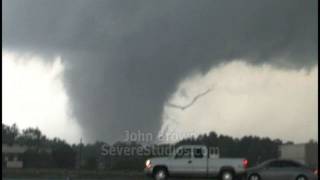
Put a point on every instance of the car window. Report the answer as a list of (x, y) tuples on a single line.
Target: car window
[(198, 153), (275, 164), (290, 164), (183, 153)]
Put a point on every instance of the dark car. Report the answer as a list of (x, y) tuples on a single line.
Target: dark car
[(279, 169)]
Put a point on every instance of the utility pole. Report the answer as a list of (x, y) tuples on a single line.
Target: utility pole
[(79, 157), (80, 153)]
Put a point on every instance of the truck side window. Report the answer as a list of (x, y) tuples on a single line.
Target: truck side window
[(198, 153), (184, 153)]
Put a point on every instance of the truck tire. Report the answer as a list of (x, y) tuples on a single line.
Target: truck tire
[(254, 177), (301, 177), (160, 174), (227, 175)]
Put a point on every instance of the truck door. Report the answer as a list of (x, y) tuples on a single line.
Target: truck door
[(182, 163), (199, 161)]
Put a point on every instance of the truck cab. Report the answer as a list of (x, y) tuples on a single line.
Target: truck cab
[(195, 161)]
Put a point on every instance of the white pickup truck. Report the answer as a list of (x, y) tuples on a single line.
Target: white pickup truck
[(196, 161)]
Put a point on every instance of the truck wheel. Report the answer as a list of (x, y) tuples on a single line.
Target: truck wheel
[(254, 177), (227, 175), (302, 178), (160, 174)]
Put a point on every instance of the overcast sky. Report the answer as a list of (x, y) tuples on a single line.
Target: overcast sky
[(96, 69)]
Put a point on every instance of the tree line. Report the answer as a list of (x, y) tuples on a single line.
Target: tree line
[(43, 152)]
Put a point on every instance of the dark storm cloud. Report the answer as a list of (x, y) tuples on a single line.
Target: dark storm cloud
[(125, 58)]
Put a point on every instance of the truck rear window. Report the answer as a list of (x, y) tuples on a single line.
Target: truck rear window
[(198, 153)]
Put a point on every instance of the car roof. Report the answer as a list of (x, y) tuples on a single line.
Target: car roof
[(290, 160), (272, 160)]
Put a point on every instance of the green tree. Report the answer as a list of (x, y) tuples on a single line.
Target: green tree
[(33, 137), (9, 134), (63, 155)]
